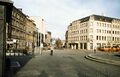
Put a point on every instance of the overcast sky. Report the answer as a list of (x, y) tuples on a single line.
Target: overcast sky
[(58, 14)]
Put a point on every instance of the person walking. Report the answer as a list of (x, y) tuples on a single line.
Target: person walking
[(95, 49), (51, 50)]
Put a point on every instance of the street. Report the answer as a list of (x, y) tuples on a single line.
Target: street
[(66, 63)]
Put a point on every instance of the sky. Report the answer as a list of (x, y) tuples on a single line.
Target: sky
[(58, 14)]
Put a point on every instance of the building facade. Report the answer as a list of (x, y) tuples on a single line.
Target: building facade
[(94, 31), (40, 24), (66, 39), (17, 29), (21, 31), (31, 34), (48, 38)]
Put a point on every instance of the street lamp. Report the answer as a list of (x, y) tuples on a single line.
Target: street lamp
[(5, 17), (33, 44)]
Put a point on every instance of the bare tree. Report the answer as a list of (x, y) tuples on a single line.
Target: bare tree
[(58, 43)]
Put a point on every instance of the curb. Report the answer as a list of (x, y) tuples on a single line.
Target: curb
[(102, 60)]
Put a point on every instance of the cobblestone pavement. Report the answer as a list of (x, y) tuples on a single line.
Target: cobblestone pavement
[(66, 63)]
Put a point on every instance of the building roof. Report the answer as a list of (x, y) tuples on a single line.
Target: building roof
[(84, 19), (103, 18), (98, 18), (19, 11)]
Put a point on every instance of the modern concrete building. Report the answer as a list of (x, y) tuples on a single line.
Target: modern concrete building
[(40, 24), (48, 38), (94, 31)]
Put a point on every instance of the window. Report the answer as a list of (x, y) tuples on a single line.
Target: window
[(81, 31), (86, 37), (117, 32), (102, 37), (112, 38), (82, 37), (103, 24), (98, 44), (105, 31), (81, 45), (91, 36), (105, 38), (96, 37), (97, 30), (97, 24), (113, 32), (91, 24), (86, 30), (117, 38), (113, 26), (99, 37), (85, 45), (91, 30), (102, 31), (91, 45), (100, 24)]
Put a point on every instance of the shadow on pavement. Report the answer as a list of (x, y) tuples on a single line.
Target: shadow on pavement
[(118, 55), (15, 63), (43, 74), (82, 75)]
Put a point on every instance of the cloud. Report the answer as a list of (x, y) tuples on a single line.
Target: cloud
[(58, 14)]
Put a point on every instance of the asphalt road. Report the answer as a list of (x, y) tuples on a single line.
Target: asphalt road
[(66, 63)]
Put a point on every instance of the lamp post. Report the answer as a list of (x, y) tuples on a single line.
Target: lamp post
[(33, 44), (5, 17)]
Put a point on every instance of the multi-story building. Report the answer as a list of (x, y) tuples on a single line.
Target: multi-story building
[(48, 38), (66, 39), (31, 34), (40, 24), (21, 31), (16, 29), (94, 31)]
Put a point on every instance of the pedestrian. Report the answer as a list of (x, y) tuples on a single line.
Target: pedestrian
[(94, 50), (51, 50)]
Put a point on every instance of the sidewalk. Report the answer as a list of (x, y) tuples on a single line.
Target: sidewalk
[(105, 57), (16, 63)]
